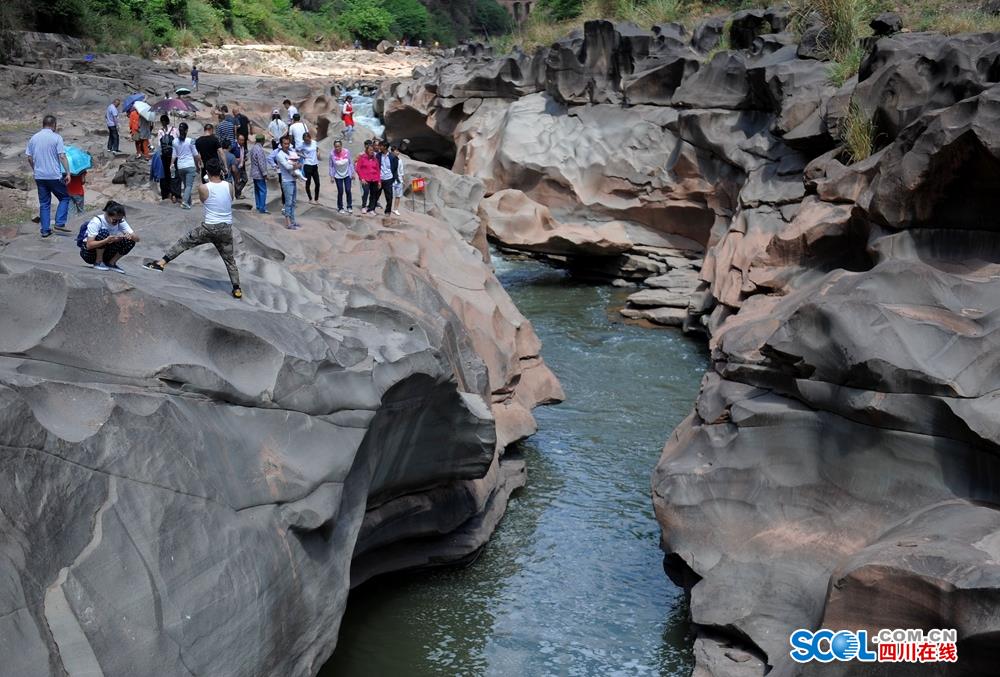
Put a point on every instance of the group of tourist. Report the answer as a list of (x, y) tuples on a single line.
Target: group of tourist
[(106, 238), (222, 160)]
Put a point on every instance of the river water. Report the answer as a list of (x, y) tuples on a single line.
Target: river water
[(572, 581)]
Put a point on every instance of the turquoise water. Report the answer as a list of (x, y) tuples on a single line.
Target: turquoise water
[(572, 582)]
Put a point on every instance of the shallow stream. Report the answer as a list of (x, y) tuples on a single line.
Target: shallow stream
[(572, 581)]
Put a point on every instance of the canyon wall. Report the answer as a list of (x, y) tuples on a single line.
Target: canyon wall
[(839, 468)]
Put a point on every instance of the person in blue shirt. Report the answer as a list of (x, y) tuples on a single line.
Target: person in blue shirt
[(47, 156)]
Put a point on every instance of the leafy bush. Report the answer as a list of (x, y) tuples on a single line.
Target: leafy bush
[(61, 16), (254, 17), (410, 19), (442, 28), (492, 19), (559, 10), (366, 20), (205, 22)]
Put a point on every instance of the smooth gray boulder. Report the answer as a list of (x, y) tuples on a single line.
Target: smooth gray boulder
[(192, 483)]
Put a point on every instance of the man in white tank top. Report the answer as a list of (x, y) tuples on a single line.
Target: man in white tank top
[(216, 228)]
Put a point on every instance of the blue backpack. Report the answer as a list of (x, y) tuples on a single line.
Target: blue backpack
[(81, 235)]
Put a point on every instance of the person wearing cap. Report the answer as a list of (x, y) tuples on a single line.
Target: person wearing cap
[(258, 172), (277, 129)]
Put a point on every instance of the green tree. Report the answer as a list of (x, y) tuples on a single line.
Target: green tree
[(60, 16), (410, 19), (560, 10), (491, 19), (444, 28), (155, 14), (366, 19), (176, 10), (254, 17)]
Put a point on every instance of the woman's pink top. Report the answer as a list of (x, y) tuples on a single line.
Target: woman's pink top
[(368, 169)]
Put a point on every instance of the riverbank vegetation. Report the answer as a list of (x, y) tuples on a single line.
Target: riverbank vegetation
[(140, 26), (848, 19)]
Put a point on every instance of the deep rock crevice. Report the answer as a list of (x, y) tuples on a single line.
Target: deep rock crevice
[(849, 306)]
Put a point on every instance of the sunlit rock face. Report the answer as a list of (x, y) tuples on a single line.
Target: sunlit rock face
[(839, 468)]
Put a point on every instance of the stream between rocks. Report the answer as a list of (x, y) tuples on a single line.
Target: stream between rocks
[(572, 581)]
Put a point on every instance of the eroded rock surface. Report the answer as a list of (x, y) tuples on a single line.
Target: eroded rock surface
[(840, 466), (182, 470)]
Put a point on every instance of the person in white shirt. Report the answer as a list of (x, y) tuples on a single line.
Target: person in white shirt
[(187, 161), (216, 228), (108, 237), (397, 187), (277, 129), (292, 110), (309, 155), (297, 130)]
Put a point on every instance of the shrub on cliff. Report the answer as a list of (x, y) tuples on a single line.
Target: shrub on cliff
[(410, 19), (560, 10), (491, 19), (844, 23), (366, 20)]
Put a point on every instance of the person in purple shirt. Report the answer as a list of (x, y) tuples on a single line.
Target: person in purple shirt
[(47, 157), (111, 118)]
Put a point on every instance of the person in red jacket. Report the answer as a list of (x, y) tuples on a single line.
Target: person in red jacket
[(133, 129), (347, 115), (370, 174)]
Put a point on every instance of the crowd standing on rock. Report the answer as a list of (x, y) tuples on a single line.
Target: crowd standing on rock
[(47, 156)]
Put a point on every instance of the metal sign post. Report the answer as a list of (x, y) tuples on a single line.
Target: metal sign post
[(418, 185)]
